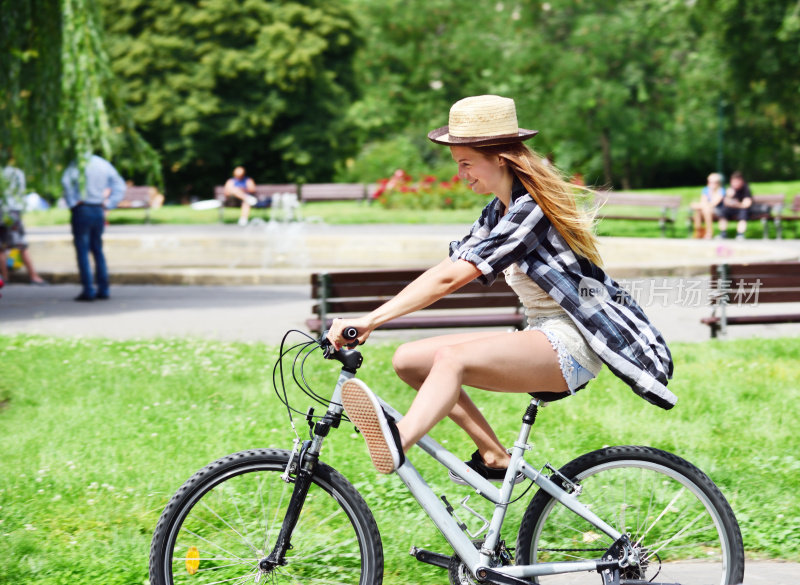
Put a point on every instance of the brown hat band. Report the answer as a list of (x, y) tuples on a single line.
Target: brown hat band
[(442, 136)]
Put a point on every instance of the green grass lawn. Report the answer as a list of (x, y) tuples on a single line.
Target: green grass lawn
[(347, 212), (98, 434)]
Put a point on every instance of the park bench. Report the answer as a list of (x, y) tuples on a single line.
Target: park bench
[(338, 294), (792, 216), (664, 207), (749, 285), (767, 208), (137, 197), (333, 192), (264, 193)]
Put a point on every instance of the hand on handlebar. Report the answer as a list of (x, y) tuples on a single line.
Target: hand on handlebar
[(341, 327)]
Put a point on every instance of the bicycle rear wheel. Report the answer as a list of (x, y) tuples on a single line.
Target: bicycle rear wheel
[(679, 521), (225, 519)]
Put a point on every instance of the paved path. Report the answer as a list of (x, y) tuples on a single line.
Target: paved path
[(265, 312), (275, 261)]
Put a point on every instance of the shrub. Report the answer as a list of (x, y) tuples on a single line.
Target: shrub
[(400, 191)]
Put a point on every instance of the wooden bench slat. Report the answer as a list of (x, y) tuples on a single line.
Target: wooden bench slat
[(755, 319), (753, 284), (643, 199), (333, 192), (761, 283), (390, 289), (448, 302), (377, 275), (136, 197), (765, 268), (439, 322), (667, 205), (639, 217), (764, 296), (349, 292)]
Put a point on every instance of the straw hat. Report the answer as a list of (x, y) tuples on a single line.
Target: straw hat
[(482, 120)]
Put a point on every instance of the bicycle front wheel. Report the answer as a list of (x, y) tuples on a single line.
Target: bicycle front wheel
[(679, 522), (226, 517)]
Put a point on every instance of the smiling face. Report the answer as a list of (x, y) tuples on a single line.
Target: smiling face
[(484, 175)]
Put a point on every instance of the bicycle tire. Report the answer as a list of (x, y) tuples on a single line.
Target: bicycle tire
[(224, 520), (678, 519)]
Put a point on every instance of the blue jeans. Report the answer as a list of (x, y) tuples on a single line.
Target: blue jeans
[(88, 223)]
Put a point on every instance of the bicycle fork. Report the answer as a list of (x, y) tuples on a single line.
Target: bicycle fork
[(306, 463)]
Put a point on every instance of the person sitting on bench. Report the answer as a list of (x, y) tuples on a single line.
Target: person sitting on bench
[(239, 190), (703, 210), (735, 205)]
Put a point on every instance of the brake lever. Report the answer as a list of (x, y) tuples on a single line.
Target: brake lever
[(350, 333)]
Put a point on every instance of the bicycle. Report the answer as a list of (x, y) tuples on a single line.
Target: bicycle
[(629, 515)]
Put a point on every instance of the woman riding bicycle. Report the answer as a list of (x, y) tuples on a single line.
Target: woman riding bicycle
[(533, 232)]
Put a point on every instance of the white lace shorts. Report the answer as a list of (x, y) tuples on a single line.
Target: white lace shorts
[(575, 375)]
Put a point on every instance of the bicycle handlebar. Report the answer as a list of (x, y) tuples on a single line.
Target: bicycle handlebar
[(347, 356)]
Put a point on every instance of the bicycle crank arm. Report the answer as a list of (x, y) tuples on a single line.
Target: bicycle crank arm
[(496, 578), (485, 575), (432, 558)]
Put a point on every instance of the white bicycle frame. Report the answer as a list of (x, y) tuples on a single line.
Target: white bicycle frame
[(478, 560)]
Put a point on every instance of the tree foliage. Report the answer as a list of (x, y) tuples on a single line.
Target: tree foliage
[(56, 93), (760, 41), (629, 94), (626, 93), (216, 83)]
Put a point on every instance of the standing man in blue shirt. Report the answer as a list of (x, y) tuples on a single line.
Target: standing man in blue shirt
[(104, 188)]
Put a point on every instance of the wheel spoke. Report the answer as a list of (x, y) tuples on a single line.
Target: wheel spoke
[(335, 540), (680, 525)]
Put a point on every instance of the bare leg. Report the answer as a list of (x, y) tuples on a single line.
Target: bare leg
[(708, 219), (741, 226), (242, 196), (26, 260), (522, 361), (696, 217)]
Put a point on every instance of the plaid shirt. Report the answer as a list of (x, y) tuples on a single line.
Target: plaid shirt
[(614, 326)]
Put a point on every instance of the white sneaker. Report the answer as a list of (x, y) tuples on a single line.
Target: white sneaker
[(251, 200), (242, 221), (377, 427)]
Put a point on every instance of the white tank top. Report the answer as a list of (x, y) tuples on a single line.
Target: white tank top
[(545, 314)]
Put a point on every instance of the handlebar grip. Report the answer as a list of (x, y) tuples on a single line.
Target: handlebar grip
[(350, 333)]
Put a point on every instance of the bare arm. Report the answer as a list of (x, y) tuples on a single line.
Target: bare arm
[(228, 188), (430, 286)]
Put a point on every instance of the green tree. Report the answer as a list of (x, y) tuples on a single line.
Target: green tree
[(421, 56), (56, 93), (218, 83), (624, 99), (760, 43), (625, 93)]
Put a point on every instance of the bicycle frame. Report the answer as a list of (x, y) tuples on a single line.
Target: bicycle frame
[(478, 561)]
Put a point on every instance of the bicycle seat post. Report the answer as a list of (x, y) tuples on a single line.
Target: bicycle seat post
[(528, 420)]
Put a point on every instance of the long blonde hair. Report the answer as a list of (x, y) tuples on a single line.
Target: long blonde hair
[(553, 194)]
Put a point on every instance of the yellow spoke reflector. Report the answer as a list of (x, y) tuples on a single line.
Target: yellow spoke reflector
[(192, 560)]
